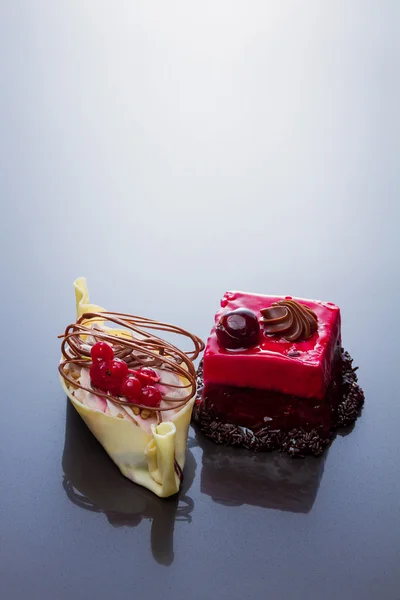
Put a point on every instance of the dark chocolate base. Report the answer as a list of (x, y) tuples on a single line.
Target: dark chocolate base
[(296, 441)]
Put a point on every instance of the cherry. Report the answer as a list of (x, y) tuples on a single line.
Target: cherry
[(147, 376), (238, 329), (131, 388), (101, 351), (107, 376), (151, 396)]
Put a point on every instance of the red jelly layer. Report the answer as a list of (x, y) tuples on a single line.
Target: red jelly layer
[(257, 409), (269, 366)]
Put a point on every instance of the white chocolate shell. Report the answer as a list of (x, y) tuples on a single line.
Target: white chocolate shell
[(150, 455)]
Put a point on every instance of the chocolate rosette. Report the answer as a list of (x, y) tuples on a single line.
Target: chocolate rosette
[(290, 320)]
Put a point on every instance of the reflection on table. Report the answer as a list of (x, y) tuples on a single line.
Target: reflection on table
[(93, 482), (233, 476)]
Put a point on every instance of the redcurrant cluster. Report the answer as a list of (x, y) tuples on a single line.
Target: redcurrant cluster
[(112, 375)]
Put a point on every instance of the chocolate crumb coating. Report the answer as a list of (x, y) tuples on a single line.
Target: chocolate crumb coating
[(297, 442)]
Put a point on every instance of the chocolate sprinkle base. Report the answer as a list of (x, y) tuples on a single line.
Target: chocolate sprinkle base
[(297, 442)]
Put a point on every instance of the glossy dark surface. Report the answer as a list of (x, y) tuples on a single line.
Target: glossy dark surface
[(170, 152)]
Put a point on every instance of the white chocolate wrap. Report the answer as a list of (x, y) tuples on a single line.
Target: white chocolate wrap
[(146, 457)]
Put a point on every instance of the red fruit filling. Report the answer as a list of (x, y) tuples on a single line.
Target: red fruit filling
[(255, 409)]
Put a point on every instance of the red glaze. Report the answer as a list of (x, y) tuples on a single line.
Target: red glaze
[(268, 366)]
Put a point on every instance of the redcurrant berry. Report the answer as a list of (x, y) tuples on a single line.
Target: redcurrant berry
[(131, 388), (151, 396), (147, 376), (101, 351), (107, 376), (97, 374)]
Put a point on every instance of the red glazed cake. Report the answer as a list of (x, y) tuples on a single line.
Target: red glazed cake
[(275, 375)]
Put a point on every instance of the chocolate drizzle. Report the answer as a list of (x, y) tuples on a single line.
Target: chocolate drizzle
[(289, 319), (136, 345)]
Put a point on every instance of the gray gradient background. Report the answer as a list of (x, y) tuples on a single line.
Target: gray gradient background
[(169, 151)]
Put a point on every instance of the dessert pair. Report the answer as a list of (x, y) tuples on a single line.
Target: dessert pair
[(273, 375)]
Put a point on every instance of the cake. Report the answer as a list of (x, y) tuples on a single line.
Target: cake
[(134, 390), (275, 375)]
